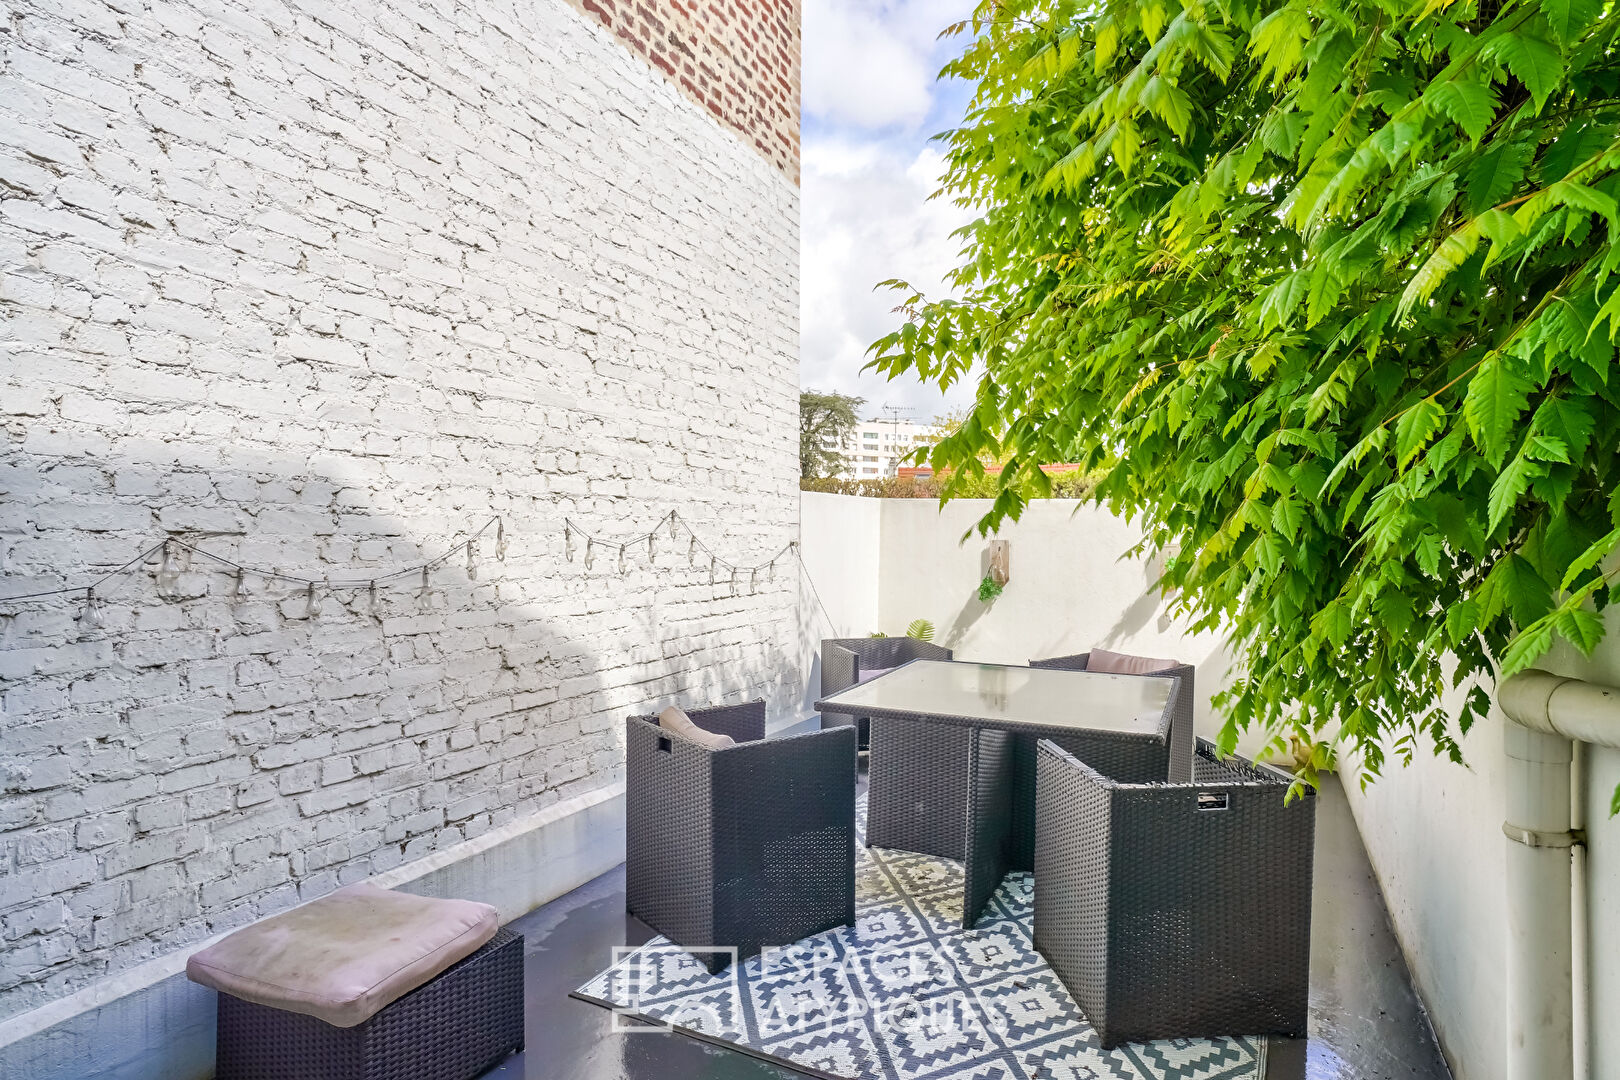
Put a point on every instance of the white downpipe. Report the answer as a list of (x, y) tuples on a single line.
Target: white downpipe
[(1549, 713), (1540, 990)]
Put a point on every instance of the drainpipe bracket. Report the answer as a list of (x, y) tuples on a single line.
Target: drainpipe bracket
[(1539, 838)]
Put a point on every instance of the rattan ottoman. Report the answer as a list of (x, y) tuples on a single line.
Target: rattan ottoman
[(366, 983), (455, 1027), (1175, 910)]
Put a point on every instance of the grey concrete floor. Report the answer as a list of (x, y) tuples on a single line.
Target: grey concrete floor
[(1366, 1022)]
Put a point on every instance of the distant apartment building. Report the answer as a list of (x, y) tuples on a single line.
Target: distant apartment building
[(877, 448)]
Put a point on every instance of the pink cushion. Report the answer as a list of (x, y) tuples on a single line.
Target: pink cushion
[(868, 674), (342, 958), (1114, 663)]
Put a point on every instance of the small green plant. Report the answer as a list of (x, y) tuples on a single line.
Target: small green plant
[(989, 589), (921, 629)]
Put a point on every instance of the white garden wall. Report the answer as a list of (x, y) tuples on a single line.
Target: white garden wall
[(1073, 583), (322, 287)]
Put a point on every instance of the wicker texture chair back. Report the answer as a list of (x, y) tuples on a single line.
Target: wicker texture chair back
[(844, 659), (746, 846), (1182, 734), (1175, 910)]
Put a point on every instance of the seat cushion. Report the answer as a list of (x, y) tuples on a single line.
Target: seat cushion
[(342, 958), (675, 720), (868, 674), (1125, 664)]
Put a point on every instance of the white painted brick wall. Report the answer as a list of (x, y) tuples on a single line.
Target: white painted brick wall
[(317, 285)]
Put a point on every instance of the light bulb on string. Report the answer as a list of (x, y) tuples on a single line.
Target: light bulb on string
[(621, 558), (672, 523), (733, 581), (713, 564), (426, 588), (753, 579), (371, 597), (650, 538), (92, 616), (239, 584), (472, 560), (568, 541), (500, 540), (691, 553), (168, 574), (590, 553), (312, 602)]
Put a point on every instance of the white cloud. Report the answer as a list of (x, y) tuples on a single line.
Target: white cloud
[(864, 71), (866, 218), (870, 103)]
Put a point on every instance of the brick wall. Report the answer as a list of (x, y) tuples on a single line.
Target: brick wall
[(319, 286), (739, 58)]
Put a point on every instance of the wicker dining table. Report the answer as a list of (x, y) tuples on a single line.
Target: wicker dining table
[(952, 766)]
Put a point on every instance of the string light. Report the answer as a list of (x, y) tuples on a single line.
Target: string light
[(312, 603), (92, 616), (176, 556), (168, 575), (571, 529), (472, 561), (500, 541)]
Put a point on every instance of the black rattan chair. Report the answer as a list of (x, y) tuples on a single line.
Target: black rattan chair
[(845, 660), (1181, 719), (1175, 910), (743, 847)]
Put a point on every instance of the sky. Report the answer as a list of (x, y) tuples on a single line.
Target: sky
[(871, 103)]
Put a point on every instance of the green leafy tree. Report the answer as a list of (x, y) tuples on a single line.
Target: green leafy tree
[(824, 418), (1330, 291)]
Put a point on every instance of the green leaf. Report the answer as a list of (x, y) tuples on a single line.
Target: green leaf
[(1569, 17), (1589, 558), (1468, 101), (1527, 647), (1512, 482), (1581, 628), (1496, 396), (1534, 61), (1278, 41), (1496, 173), (1415, 428)]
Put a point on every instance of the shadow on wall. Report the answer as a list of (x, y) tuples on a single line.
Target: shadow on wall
[(973, 610), (1212, 671), (217, 753)]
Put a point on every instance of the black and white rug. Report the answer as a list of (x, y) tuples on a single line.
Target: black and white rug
[(905, 994)]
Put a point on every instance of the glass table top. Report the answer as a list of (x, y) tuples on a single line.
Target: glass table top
[(1008, 695)]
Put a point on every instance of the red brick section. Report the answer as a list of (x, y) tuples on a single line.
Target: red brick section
[(737, 58)]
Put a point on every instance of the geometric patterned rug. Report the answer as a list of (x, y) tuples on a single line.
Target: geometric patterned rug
[(904, 994)]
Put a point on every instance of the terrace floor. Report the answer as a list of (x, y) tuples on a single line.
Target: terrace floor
[(1366, 1022)]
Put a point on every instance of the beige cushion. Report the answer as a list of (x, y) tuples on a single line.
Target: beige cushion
[(343, 957), (1114, 663), (675, 720)]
